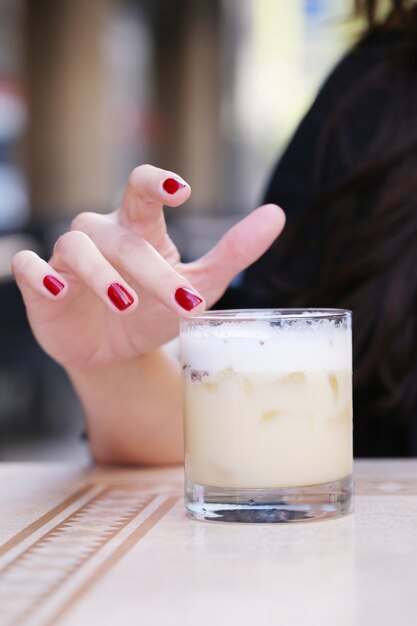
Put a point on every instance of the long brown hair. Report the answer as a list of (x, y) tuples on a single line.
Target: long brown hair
[(367, 220)]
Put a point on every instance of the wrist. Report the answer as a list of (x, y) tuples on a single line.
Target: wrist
[(133, 409)]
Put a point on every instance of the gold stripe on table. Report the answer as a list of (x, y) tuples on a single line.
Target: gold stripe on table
[(47, 566)]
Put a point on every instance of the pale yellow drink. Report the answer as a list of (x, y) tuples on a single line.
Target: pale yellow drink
[(267, 406), (252, 429)]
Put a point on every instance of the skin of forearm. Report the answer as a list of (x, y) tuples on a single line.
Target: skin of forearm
[(133, 410)]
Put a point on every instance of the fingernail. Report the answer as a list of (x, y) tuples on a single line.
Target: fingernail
[(187, 299), (119, 296), (53, 284), (171, 185)]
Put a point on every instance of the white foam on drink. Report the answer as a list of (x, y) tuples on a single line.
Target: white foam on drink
[(257, 346)]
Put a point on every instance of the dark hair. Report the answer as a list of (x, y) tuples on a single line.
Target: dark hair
[(367, 218)]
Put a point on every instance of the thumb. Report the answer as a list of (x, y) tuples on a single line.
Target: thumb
[(241, 246)]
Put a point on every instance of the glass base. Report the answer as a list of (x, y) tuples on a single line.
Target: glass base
[(276, 505)]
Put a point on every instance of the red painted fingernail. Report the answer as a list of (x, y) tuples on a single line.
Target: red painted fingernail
[(171, 185), (53, 284), (187, 299), (119, 296)]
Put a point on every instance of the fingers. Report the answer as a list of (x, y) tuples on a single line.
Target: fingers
[(92, 264), (241, 246), (96, 258), (148, 189), (77, 253), (74, 254), (135, 257)]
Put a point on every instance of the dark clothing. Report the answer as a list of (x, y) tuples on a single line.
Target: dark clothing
[(312, 166)]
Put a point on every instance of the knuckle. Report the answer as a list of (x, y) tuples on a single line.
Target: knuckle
[(167, 280), (22, 262), (139, 173), (101, 272), (128, 244), (66, 243), (236, 252), (82, 221)]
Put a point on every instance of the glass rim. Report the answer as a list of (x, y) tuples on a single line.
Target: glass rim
[(307, 313)]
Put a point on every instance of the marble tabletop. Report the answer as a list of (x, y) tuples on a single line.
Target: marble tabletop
[(96, 546)]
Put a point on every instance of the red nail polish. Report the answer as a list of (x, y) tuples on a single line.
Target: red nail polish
[(53, 284), (119, 296), (171, 185), (187, 299)]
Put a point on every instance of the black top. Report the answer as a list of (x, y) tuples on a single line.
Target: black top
[(296, 183)]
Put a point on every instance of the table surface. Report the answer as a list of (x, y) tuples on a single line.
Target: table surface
[(113, 546)]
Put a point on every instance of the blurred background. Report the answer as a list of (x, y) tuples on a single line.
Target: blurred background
[(212, 89)]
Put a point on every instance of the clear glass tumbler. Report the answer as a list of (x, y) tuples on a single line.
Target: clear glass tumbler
[(268, 414)]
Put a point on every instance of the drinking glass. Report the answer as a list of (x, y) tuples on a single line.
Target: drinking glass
[(267, 414)]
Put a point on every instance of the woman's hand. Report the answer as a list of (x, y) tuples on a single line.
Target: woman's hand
[(115, 285)]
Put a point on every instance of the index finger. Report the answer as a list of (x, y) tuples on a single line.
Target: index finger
[(147, 190)]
